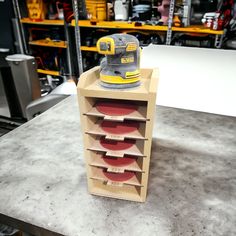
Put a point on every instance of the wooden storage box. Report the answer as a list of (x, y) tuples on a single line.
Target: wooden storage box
[(107, 174)]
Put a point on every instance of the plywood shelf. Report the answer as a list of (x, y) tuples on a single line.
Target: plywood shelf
[(133, 26), (49, 43), (139, 115), (90, 86), (42, 22), (97, 173), (136, 134), (99, 162), (127, 192), (134, 150)]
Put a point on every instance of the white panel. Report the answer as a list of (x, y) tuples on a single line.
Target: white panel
[(194, 78)]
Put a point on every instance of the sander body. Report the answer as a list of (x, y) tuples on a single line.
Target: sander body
[(121, 66)]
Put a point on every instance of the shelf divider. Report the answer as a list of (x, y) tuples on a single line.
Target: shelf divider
[(47, 43), (42, 22), (133, 26)]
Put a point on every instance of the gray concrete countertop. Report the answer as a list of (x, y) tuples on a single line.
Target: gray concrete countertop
[(192, 185)]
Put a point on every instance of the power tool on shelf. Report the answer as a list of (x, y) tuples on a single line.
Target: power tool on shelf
[(121, 66)]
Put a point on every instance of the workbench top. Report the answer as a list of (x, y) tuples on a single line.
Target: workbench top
[(192, 188)]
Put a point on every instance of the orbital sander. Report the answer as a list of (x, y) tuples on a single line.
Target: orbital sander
[(120, 68)]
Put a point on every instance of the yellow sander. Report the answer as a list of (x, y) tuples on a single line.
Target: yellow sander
[(121, 66)]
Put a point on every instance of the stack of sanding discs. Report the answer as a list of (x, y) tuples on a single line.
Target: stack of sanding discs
[(119, 162), (118, 108)]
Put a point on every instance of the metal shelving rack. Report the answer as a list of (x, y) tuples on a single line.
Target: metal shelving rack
[(131, 26), (119, 25), (43, 43), (199, 29)]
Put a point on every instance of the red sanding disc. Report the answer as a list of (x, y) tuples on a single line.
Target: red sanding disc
[(119, 176), (116, 145), (116, 161), (118, 127), (115, 108)]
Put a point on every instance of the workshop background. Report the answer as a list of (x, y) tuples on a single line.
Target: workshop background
[(50, 43)]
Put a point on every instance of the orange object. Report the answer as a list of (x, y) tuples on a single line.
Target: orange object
[(177, 21), (36, 9), (97, 10)]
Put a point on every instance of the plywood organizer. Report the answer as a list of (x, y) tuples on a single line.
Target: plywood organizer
[(117, 128)]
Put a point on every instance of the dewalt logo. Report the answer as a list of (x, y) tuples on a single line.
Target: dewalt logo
[(125, 60)]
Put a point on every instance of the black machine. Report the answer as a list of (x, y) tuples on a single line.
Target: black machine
[(10, 112)]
